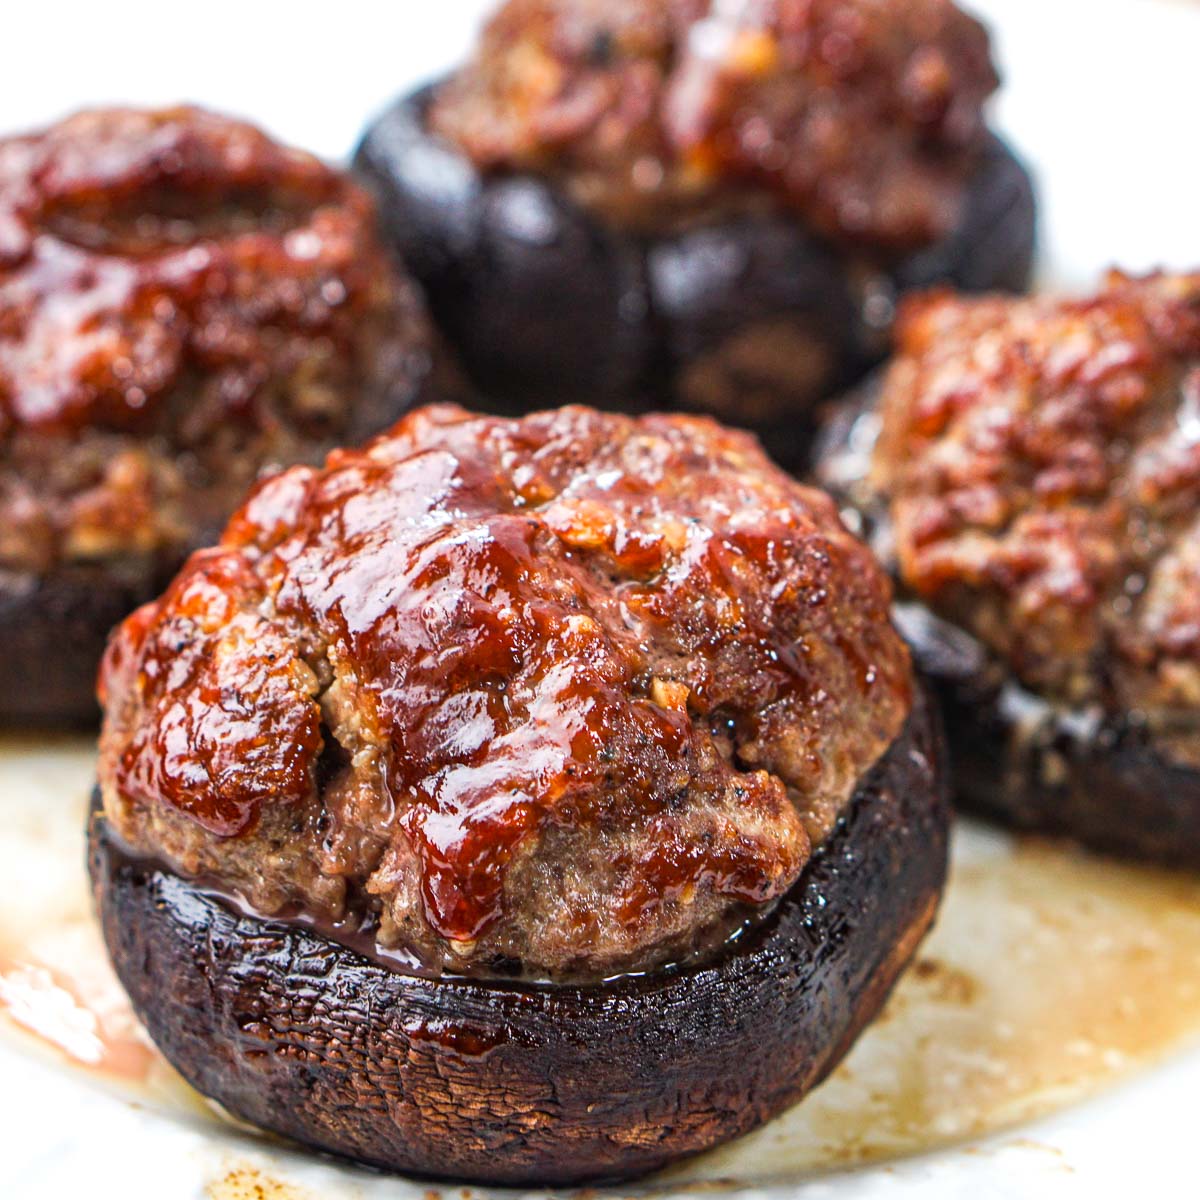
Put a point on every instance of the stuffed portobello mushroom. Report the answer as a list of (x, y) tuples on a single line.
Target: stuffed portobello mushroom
[(183, 305), (517, 800), (1031, 470), (699, 205)]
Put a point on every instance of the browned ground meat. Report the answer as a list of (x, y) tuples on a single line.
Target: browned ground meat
[(183, 303), (863, 116), (1042, 461), (568, 691)]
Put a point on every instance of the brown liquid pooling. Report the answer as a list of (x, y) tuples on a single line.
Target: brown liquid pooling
[(58, 994), (1050, 975)]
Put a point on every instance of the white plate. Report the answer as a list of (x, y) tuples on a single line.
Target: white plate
[(1050, 979)]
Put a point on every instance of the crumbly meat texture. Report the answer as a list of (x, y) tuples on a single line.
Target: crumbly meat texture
[(183, 303), (864, 117), (575, 692), (1041, 460)]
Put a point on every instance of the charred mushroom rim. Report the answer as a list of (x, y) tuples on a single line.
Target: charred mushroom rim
[(519, 800), (702, 205), (1034, 480), (184, 304)]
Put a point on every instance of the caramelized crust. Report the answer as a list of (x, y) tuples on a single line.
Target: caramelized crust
[(862, 116), (183, 302), (572, 693), (1042, 461)]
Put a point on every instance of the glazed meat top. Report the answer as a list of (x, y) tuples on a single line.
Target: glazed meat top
[(862, 116), (1043, 462), (182, 301), (569, 692)]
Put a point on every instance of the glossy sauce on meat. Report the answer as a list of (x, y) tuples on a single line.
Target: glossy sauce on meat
[(182, 302), (1041, 459), (862, 117), (569, 691)]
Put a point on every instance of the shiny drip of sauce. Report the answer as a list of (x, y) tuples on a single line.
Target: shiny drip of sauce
[(1050, 975)]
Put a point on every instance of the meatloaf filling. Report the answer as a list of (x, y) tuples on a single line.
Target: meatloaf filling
[(183, 303), (864, 118), (570, 694), (1040, 461)]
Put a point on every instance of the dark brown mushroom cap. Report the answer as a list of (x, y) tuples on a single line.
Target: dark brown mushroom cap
[(502, 1083), (1107, 780), (748, 315), (53, 630)]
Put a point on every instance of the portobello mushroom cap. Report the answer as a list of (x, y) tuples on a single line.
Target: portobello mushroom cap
[(499, 1082), (1104, 780), (742, 309), (521, 800), (184, 305), (53, 630), (1115, 767)]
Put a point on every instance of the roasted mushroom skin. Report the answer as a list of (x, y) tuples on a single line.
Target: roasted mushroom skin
[(1107, 780), (747, 287), (184, 304), (1033, 483), (568, 692), (517, 1084)]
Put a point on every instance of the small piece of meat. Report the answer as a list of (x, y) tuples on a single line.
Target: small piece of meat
[(183, 304), (1041, 459), (576, 692), (864, 117)]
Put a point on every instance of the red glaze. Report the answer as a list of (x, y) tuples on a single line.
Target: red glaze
[(124, 236), (244, 729), (518, 632), (1041, 459), (863, 117), (182, 301)]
